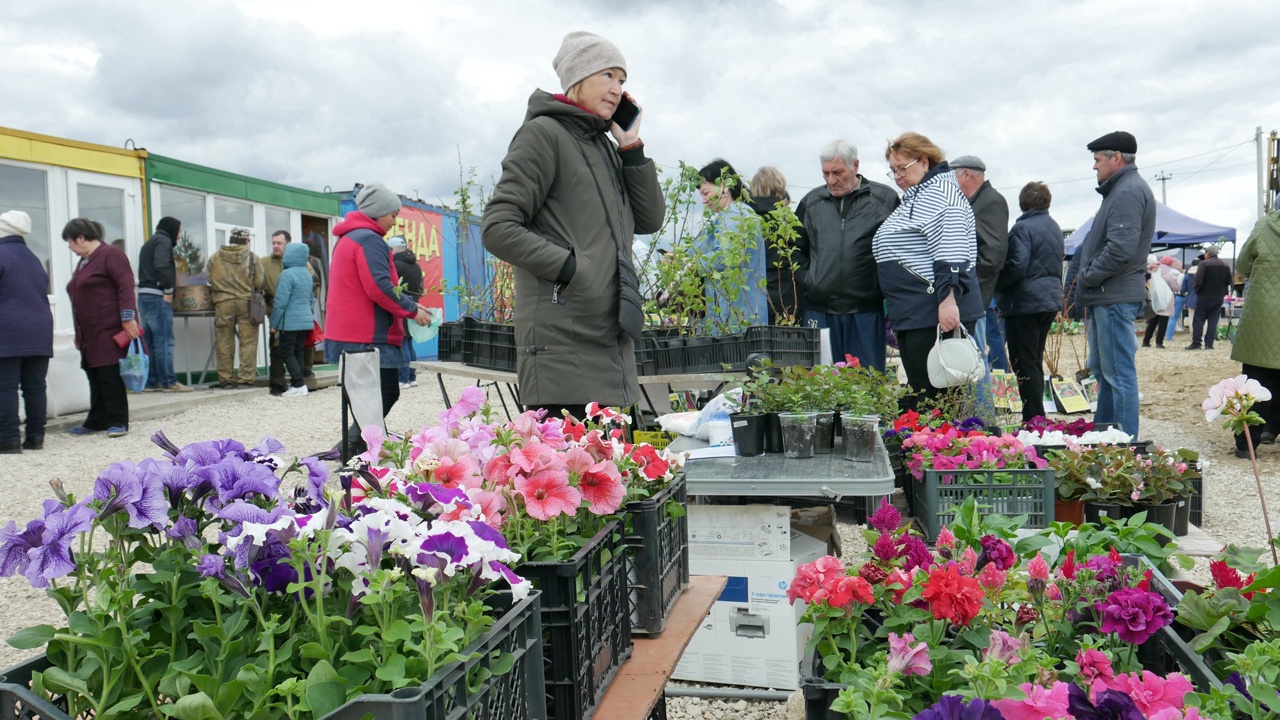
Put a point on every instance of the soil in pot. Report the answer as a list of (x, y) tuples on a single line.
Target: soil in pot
[(825, 433), (748, 433), (772, 433), (860, 437), (798, 431)]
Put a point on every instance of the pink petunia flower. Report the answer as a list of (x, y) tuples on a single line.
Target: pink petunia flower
[(1094, 666), (548, 494), (463, 473), (1002, 646), (603, 488), (1152, 693), (906, 659), (1041, 703)]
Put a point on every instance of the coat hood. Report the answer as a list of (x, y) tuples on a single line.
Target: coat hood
[(405, 256), (234, 254), (544, 104), (295, 255), (356, 220)]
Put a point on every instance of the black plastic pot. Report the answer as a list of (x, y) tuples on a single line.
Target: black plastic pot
[(1162, 515), (1182, 516), (825, 433), (748, 433), (1093, 511), (772, 433), (798, 431)]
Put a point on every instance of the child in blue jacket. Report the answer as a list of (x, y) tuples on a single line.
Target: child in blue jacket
[(291, 320)]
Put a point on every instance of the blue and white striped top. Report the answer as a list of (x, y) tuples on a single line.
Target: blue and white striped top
[(934, 223)]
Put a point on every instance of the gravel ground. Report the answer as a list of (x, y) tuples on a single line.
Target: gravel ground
[(1173, 383)]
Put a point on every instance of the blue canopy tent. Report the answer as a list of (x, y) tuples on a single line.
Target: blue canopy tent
[(1173, 229)]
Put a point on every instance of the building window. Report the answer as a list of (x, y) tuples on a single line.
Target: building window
[(104, 204), (26, 189), (277, 220), (230, 212), (189, 209)]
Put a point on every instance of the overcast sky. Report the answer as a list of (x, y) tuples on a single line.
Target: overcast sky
[(316, 93)]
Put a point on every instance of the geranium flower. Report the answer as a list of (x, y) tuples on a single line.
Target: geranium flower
[(906, 659), (1094, 666), (1041, 703), (1230, 393), (602, 487), (1106, 705), (547, 494), (954, 707), (886, 518), (952, 596), (1152, 693), (1134, 615)]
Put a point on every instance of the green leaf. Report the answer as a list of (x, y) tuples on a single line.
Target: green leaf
[(312, 651), (195, 707), (399, 631), (1205, 640), (363, 655), (124, 707), (32, 637), (58, 680), (326, 689), (392, 671)]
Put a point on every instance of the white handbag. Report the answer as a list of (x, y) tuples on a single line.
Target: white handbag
[(955, 360)]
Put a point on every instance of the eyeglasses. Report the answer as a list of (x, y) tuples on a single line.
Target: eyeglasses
[(899, 172)]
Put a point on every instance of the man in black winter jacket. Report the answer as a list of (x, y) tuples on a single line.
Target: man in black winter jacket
[(836, 269), (1212, 283), (157, 279), (410, 273)]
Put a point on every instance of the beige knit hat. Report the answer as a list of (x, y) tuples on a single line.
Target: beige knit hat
[(15, 222), (583, 54)]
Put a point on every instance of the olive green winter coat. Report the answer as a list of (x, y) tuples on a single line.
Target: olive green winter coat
[(1258, 337), (566, 189)]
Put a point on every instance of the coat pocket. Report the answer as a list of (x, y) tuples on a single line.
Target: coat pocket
[(630, 302)]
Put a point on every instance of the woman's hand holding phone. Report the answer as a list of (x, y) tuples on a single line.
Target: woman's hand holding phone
[(626, 121)]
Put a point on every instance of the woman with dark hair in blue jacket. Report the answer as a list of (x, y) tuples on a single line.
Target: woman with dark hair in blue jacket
[(1029, 292)]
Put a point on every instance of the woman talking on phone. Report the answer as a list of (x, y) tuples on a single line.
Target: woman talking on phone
[(564, 214)]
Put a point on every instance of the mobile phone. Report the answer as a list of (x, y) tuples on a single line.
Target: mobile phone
[(626, 113)]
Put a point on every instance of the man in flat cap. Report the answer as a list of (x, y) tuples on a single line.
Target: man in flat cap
[(1108, 276), (991, 212)]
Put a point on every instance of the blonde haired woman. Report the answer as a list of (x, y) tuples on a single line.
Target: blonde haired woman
[(768, 193)]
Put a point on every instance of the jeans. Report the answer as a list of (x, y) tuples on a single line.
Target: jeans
[(1179, 302), (292, 344), (1113, 347), (994, 340), (859, 334), (156, 318), (1207, 310), (408, 373), (27, 373)]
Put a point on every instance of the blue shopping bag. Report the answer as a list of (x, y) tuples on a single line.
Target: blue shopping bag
[(134, 366)]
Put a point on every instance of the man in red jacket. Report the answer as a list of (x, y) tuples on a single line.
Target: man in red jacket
[(364, 307)]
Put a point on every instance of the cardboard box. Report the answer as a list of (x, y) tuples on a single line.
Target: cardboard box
[(752, 636), (739, 532), (818, 523)]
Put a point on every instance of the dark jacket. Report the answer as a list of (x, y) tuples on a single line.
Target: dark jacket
[(780, 271), (99, 292), (1213, 279), (1031, 279), (991, 212), (836, 267), (26, 323), (410, 272), (566, 191), (1110, 266), (156, 268), (362, 303), (234, 273), (292, 308)]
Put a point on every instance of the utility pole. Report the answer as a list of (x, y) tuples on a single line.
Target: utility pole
[(1262, 173), (1163, 177)]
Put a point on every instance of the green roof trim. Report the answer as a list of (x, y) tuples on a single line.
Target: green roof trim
[(166, 170)]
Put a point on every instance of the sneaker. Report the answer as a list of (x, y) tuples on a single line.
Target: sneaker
[(81, 430), (1191, 347), (177, 388), (295, 391), (117, 431), (413, 383), (10, 448), (33, 444), (1265, 439), (153, 388), (405, 386)]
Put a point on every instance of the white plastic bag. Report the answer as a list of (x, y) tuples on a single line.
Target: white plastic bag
[(1161, 295)]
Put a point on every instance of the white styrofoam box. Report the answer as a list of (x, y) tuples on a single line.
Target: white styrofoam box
[(753, 635), (739, 532)]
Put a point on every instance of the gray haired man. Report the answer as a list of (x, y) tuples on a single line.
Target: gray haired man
[(991, 212), (836, 269)]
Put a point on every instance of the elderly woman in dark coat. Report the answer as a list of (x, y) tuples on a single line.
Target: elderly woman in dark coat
[(1029, 292), (564, 214), (102, 305), (26, 324)]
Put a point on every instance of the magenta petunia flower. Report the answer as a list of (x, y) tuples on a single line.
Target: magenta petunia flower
[(997, 552), (1041, 703), (1152, 693), (1133, 614)]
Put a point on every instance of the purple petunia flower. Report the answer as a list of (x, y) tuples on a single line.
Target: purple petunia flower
[(425, 495), (210, 452), (165, 444), (1133, 614), (234, 478), (1108, 705), (317, 476), (953, 707), (970, 424), (134, 489), (268, 446), (997, 551), (212, 566), (52, 558), (1103, 566), (886, 518), (442, 550), (488, 534), (186, 530)]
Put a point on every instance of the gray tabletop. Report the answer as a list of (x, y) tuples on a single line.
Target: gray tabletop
[(771, 474)]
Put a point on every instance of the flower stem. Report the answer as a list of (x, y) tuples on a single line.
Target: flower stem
[(1257, 478)]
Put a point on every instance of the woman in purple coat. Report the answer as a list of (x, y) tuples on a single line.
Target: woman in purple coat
[(102, 304), (27, 328)]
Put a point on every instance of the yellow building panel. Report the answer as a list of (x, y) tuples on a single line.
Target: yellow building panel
[(48, 150)]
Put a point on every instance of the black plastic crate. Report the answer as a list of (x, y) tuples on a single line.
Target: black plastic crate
[(1197, 497), (785, 346), (1164, 653), (450, 342), (451, 694), (646, 364), (703, 354), (668, 355), (586, 623), (658, 551), (488, 345), (1003, 492)]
